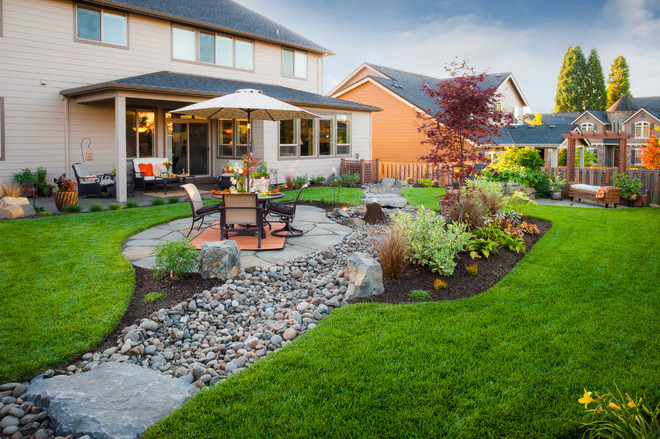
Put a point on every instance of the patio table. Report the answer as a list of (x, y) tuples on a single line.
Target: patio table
[(261, 200), (176, 178)]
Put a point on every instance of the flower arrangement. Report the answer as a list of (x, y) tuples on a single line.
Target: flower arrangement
[(65, 184), (168, 167)]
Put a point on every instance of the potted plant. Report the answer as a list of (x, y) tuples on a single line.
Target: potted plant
[(261, 178), (556, 184), (27, 180), (630, 188), (66, 192), (43, 189)]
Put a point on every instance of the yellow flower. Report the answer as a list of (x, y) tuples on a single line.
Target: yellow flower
[(615, 407), (631, 405), (586, 399)]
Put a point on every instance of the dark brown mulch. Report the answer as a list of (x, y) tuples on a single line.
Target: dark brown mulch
[(460, 285)]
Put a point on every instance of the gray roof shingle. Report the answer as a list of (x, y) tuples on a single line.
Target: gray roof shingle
[(195, 85), (409, 85), (649, 103), (558, 118), (216, 14), (524, 135)]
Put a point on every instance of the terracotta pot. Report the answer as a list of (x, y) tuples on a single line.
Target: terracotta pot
[(64, 198)]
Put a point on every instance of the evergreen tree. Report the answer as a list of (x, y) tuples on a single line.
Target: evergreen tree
[(618, 83), (596, 94), (571, 85)]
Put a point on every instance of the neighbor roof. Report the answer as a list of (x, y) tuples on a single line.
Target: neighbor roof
[(650, 102), (409, 85), (600, 115), (223, 15), (205, 86), (523, 135), (555, 118)]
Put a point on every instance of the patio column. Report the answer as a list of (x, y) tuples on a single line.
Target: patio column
[(623, 150), (570, 160), (120, 148)]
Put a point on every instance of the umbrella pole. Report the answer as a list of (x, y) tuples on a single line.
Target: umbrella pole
[(247, 178)]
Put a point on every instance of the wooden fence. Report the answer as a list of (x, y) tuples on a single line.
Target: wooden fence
[(416, 171), (368, 169), (650, 178)]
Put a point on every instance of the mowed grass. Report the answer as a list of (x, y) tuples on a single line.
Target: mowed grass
[(346, 196), (64, 284), (424, 196), (579, 311)]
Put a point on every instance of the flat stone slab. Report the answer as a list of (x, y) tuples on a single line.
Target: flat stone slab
[(386, 200), (113, 400)]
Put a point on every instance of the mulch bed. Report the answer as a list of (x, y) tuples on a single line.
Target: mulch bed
[(460, 285)]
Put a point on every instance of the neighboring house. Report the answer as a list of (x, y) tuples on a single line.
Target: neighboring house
[(394, 130), (635, 116), (113, 70)]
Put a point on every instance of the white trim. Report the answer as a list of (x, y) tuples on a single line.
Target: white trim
[(355, 72), (518, 89), (606, 122), (639, 111)]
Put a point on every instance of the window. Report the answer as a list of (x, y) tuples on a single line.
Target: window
[(2, 129), (642, 129), (587, 128), (140, 129), (212, 49), (636, 156), (616, 126), (101, 25), (294, 63), (232, 138), (316, 137)]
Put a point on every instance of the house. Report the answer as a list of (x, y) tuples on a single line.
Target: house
[(98, 79), (635, 116), (399, 94)]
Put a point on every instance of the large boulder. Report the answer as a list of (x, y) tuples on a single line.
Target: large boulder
[(220, 259), (387, 182), (11, 207), (113, 400), (365, 276), (374, 214)]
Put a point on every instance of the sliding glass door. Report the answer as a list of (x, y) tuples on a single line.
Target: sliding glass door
[(188, 147)]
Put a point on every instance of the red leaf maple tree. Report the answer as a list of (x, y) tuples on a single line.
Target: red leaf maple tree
[(465, 117), (650, 154)]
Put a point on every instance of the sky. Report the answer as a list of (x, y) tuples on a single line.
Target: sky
[(527, 38)]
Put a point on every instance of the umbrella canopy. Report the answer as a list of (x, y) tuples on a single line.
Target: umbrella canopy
[(246, 104)]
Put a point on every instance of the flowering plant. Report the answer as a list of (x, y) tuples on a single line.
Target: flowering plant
[(168, 166), (65, 184)]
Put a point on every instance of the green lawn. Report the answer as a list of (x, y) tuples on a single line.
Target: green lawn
[(64, 284), (348, 196), (424, 196), (580, 310)]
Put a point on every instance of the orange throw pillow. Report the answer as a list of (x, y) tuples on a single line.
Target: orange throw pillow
[(147, 169)]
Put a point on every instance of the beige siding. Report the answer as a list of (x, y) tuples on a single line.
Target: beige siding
[(511, 99), (40, 57)]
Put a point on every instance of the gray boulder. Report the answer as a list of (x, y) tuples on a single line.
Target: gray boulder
[(113, 400), (365, 276), (387, 182), (220, 259), (11, 207)]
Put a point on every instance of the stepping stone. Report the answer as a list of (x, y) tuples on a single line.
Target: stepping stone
[(113, 400)]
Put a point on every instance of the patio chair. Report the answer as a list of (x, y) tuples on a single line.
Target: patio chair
[(199, 211), (286, 213), (243, 210), (90, 184)]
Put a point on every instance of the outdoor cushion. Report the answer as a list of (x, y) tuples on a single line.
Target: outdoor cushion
[(206, 209), (585, 187), (146, 169), (281, 208), (90, 178), (159, 168)]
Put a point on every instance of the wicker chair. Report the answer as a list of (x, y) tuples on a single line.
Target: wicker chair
[(244, 210), (286, 213), (199, 211)]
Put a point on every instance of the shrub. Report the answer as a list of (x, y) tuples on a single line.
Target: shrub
[(518, 201), (157, 202), (480, 200), (590, 158), (529, 229), (391, 248), (420, 295), (409, 180), (72, 208), (300, 181), (616, 416), (520, 165), (318, 180), (629, 187), (487, 240), (430, 241), (13, 190), (426, 182), (96, 207), (472, 269), (290, 182), (172, 200), (153, 296), (26, 176), (131, 204), (114, 206), (439, 284), (175, 258), (348, 180)]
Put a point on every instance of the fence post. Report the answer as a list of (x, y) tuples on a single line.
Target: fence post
[(362, 171), (341, 168), (377, 170)]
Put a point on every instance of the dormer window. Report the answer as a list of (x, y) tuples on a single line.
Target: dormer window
[(642, 129), (587, 128), (101, 25), (205, 47), (294, 63)]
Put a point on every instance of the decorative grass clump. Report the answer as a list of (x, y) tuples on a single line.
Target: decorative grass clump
[(96, 207), (114, 206), (579, 310), (157, 202), (172, 200), (391, 248), (73, 208), (131, 204)]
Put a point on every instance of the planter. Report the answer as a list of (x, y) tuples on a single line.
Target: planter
[(64, 198), (556, 195), (635, 201)]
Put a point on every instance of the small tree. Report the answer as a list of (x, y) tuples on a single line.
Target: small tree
[(618, 83), (466, 116), (651, 152)]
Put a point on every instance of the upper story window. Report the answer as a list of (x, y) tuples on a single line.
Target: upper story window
[(205, 47), (294, 63), (587, 128), (642, 129), (101, 25), (327, 136)]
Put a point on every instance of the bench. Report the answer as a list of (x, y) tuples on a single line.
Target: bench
[(139, 176), (588, 192)]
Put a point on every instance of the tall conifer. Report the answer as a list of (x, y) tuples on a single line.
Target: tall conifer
[(596, 94), (571, 86), (618, 83)]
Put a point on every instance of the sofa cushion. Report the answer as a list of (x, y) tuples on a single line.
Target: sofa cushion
[(146, 169)]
